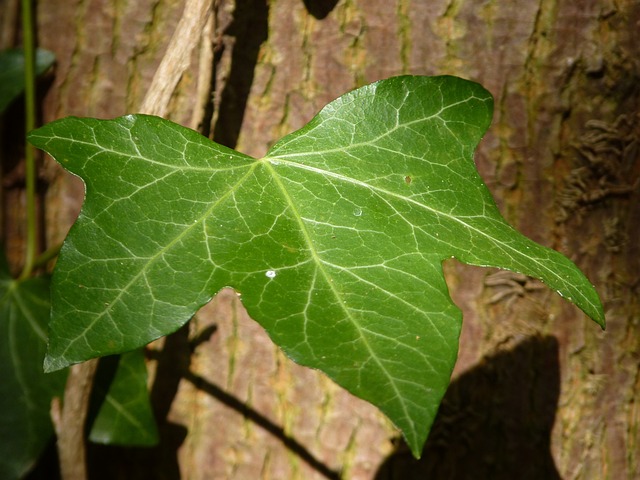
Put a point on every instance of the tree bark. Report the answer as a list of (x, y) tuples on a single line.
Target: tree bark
[(69, 419), (539, 391)]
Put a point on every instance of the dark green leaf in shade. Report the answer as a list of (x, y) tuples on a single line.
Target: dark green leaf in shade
[(335, 239), (124, 413), (12, 72), (25, 390)]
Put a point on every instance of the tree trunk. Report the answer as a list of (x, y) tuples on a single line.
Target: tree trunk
[(539, 391)]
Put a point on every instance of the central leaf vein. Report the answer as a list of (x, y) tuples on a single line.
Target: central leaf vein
[(321, 268)]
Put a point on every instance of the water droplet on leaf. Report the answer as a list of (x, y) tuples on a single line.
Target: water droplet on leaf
[(357, 212)]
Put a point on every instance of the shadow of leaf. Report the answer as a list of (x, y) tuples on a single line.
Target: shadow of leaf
[(249, 28), (495, 421), (320, 8), (161, 462)]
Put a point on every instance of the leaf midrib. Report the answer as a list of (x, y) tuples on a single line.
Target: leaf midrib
[(122, 410), (381, 192), (320, 266)]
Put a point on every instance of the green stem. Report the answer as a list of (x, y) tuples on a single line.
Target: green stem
[(30, 123), (48, 255)]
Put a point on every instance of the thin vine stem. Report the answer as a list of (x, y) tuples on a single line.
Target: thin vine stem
[(46, 256), (30, 123)]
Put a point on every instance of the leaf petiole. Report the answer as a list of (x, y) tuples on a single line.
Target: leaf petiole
[(46, 256)]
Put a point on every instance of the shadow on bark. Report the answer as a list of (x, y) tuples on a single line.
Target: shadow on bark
[(161, 462), (254, 416), (320, 8), (250, 28), (495, 421)]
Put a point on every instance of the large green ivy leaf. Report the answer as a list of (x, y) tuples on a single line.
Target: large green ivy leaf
[(25, 390), (335, 239)]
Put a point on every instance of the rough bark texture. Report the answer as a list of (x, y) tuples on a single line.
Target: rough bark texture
[(539, 391)]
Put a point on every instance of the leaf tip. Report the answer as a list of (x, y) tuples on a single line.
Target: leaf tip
[(416, 450), (416, 441), (596, 310), (53, 364)]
